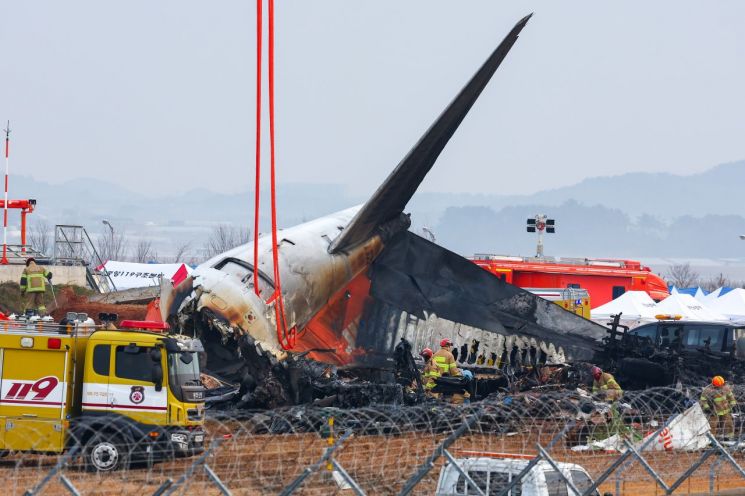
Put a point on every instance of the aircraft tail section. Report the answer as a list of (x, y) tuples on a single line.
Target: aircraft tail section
[(392, 196)]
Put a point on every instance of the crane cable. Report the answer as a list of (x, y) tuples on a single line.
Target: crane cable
[(285, 337)]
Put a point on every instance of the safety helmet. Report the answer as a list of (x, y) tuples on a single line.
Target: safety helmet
[(29, 260), (718, 381), (596, 372), (426, 353), (446, 342)]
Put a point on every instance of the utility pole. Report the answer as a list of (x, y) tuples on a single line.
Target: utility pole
[(540, 224), (4, 260)]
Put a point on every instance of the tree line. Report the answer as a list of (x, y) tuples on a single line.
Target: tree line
[(684, 276), (121, 246)]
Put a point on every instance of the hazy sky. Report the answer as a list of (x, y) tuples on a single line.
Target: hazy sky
[(160, 94)]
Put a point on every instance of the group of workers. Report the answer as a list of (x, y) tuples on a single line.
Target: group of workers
[(438, 364), (716, 399)]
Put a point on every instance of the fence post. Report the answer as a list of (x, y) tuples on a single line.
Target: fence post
[(290, 488), (169, 486), (712, 470), (425, 467), (57, 468), (623, 458), (534, 461), (551, 462), (463, 473)]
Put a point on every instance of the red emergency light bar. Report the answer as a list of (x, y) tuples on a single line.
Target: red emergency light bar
[(150, 325)]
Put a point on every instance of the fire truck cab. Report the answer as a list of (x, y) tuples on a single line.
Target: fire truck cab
[(117, 395)]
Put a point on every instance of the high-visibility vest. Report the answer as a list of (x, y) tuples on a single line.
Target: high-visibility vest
[(446, 362), (607, 384), (34, 279), (430, 374), (721, 399)]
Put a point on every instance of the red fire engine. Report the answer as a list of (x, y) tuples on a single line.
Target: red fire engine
[(604, 279)]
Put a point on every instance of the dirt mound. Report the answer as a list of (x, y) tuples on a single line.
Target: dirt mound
[(69, 301)]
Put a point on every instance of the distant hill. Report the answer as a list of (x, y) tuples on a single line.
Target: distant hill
[(715, 191), (628, 215), (590, 231)]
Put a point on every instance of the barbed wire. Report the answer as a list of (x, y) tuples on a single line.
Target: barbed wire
[(382, 449)]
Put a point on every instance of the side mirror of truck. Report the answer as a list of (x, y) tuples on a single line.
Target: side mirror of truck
[(157, 371), (157, 375)]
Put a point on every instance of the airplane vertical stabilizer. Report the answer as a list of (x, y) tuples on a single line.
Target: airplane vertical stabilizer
[(392, 196)]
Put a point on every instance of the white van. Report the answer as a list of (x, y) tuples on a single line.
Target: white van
[(493, 472)]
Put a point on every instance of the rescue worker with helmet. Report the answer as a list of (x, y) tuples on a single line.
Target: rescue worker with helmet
[(605, 384), (430, 373), (34, 281), (718, 401), (445, 360)]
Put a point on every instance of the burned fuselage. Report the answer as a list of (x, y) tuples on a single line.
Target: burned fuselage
[(334, 268)]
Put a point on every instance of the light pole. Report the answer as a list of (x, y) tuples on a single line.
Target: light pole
[(107, 223), (541, 223)]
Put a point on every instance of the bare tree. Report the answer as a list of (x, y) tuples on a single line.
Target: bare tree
[(682, 276), (143, 251), (181, 252), (112, 246), (40, 237), (224, 237)]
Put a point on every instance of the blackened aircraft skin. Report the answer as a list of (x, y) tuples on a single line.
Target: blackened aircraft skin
[(319, 258)]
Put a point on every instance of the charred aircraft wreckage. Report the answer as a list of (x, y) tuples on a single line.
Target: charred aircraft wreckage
[(360, 291)]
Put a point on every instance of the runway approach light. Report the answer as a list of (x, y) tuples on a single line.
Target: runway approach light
[(540, 224)]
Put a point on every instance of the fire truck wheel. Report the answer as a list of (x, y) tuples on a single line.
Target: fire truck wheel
[(105, 453)]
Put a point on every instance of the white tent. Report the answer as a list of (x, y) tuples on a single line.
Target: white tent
[(712, 296), (635, 307), (700, 295), (731, 305), (688, 307)]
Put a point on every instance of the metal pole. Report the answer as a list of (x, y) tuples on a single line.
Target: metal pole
[(312, 468), (534, 461), (55, 470), (4, 260), (51, 286), (439, 451)]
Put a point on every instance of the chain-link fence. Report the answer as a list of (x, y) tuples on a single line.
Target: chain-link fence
[(652, 442)]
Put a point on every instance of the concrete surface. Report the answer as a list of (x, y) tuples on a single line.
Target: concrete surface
[(61, 274)]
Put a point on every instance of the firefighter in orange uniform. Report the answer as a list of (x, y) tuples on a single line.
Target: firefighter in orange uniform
[(430, 373), (445, 360), (717, 401)]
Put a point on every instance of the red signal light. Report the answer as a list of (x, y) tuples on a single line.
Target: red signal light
[(54, 343)]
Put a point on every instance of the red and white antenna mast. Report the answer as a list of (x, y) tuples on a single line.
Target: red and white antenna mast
[(4, 260)]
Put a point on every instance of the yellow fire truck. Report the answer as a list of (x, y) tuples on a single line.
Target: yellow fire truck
[(117, 395)]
